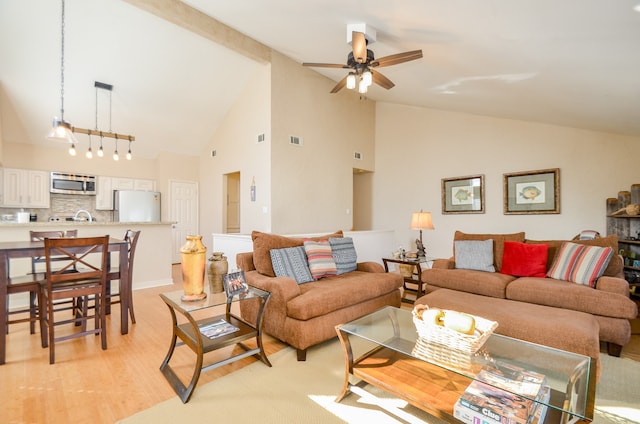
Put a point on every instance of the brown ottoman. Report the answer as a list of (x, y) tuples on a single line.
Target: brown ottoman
[(564, 329)]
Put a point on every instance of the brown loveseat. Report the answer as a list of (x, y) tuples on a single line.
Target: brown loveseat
[(608, 301), (303, 315)]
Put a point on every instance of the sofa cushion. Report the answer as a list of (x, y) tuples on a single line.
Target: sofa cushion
[(291, 262), (498, 242), (485, 283), (614, 269), (264, 242), (344, 254), (580, 264), (331, 294), (568, 295), (321, 263), (474, 254), (524, 260)]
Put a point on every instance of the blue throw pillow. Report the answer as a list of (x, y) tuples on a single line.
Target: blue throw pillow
[(291, 262), (344, 254)]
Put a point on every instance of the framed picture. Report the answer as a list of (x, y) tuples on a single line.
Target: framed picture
[(463, 194), (234, 283), (532, 192)]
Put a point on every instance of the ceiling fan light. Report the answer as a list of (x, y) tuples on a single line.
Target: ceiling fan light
[(362, 87), (367, 77), (351, 81)]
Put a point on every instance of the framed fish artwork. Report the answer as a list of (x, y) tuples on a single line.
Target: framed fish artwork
[(463, 194), (532, 192)]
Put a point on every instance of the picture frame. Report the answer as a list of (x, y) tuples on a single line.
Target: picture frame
[(532, 192), (234, 283), (463, 194)]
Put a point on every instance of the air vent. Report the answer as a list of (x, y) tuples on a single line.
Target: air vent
[(357, 155), (260, 138), (213, 153), (295, 140)]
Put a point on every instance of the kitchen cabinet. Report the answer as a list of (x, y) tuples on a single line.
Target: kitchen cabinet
[(106, 186), (24, 188)]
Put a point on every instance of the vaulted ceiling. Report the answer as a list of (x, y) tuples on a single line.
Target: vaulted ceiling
[(570, 62)]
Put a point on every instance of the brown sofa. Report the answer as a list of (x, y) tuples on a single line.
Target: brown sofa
[(303, 315), (608, 302)]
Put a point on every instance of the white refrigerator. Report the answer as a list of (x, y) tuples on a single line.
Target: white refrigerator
[(136, 206)]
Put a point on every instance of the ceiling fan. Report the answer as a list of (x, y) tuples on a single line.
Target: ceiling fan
[(362, 63)]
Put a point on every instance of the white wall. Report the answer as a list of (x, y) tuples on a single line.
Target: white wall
[(417, 147)]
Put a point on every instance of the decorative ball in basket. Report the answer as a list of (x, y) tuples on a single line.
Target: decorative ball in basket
[(456, 330)]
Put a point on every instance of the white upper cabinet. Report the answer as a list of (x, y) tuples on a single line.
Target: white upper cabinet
[(107, 185), (22, 188)]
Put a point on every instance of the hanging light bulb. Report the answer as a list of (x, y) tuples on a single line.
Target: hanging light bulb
[(89, 153), (72, 149), (61, 129), (129, 151), (362, 87), (100, 150), (351, 81), (115, 153), (367, 78)]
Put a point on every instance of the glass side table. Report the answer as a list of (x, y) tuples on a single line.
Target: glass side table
[(191, 333)]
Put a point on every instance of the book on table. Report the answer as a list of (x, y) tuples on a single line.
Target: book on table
[(217, 329), (502, 394)]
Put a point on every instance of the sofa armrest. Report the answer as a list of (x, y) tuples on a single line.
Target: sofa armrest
[(281, 288), (370, 266), (444, 263), (613, 285), (244, 261)]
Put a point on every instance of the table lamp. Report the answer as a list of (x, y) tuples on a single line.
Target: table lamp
[(421, 221)]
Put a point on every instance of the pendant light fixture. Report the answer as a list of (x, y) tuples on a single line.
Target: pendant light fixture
[(64, 131), (61, 129)]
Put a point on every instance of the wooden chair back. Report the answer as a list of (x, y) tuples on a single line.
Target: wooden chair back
[(40, 236)]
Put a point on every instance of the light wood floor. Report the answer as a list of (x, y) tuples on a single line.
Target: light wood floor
[(87, 384)]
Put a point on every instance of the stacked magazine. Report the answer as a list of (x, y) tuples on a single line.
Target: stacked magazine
[(503, 394), (218, 329)]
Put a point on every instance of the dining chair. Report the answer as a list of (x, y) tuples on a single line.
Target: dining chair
[(131, 237), (30, 283), (89, 255)]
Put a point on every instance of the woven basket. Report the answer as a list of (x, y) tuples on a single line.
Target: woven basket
[(467, 343), (442, 355)]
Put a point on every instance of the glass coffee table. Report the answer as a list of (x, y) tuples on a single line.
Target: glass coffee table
[(211, 333), (383, 349)]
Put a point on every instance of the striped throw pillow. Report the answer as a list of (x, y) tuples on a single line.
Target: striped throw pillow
[(580, 263), (321, 263)]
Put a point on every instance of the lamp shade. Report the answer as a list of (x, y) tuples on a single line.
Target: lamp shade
[(61, 131), (421, 221)]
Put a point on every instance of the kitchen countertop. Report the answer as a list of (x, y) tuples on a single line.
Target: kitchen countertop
[(77, 223)]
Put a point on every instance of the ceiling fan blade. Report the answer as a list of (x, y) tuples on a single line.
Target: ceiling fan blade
[(381, 80), (327, 65), (359, 46), (340, 85), (394, 59)]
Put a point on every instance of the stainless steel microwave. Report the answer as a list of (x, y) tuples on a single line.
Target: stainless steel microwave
[(63, 183)]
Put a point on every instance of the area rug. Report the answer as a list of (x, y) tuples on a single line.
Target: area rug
[(304, 392)]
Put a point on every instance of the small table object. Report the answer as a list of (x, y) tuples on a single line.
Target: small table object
[(383, 349), (412, 283), (211, 333)]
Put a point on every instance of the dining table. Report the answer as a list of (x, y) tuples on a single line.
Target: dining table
[(10, 250)]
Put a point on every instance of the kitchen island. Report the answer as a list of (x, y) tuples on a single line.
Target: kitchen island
[(152, 265)]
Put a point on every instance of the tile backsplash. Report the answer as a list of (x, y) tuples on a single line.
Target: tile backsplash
[(66, 205)]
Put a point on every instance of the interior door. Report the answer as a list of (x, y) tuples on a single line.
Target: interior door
[(183, 210), (233, 203)]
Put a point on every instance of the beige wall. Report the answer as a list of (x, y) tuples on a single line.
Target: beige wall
[(416, 148), (237, 150), (312, 184)]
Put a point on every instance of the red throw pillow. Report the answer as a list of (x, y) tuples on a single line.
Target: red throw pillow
[(524, 260)]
